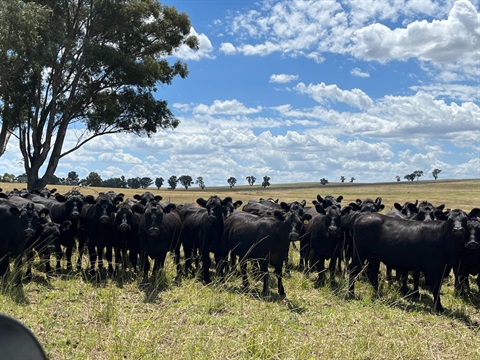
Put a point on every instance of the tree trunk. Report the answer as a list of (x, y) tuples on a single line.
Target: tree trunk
[(4, 137)]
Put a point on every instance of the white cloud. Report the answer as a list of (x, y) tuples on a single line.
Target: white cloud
[(359, 73), (230, 107), (205, 48), (282, 78), (323, 94), (228, 48)]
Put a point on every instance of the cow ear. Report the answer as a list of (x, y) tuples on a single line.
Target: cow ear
[(60, 198), (3, 195), (279, 215), (441, 207), (358, 202), (285, 206), (14, 210), (202, 202), (397, 206), (44, 212), (346, 210), (320, 208), (303, 203), (169, 208), (412, 207), (381, 207), (138, 208), (440, 215), (319, 198), (158, 198), (306, 218), (474, 213), (137, 197), (228, 199), (340, 198), (65, 225), (89, 199), (237, 204)]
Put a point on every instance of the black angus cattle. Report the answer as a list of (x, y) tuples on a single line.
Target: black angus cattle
[(158, 233), (265, 239), (64, 208), (202, 229), (146, 197), (470, 255), (44, 244), (407, 245), (326, 239), (18, 226), (125, 228), (350, 214), (96, 230)]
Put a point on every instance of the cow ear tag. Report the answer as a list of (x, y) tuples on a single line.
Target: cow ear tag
[(305, 222), (42, 215)]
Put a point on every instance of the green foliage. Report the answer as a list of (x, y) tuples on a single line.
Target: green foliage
[(418, 174), (93, 179), (200, 182), (410, 177), (323, 181), (7, 177), (231, 181), (134, 183), (435, 173), (266, 181), (251, 180), (172, 182), (342, 178), (72, 178), (159, 182), (352, 179), (145, 182), (186, 181), (108, 59)]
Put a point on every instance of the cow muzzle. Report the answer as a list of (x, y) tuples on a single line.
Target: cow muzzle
[(472, 245), (29, 232), (104, 219), (153, 231)]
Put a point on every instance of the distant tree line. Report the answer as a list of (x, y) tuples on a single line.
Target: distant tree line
[(94, 179)]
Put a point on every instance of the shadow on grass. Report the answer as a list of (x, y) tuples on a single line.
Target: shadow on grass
[(14, 290), (154, 285)]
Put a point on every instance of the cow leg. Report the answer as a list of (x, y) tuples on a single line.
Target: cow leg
[(108, 258), (28, 272), (278, 273), (206, 263), (46, 260), (372, 273), (304, 249), (478, 282), (354, 269), (332, 265), (68, 255), (416, 284), (58, 256), (178, 265), (81, 248), (17, 268), (389, 274), (435, 284), (320, 263), (133, 257), (264, 270), (93, 258), (403, 278)]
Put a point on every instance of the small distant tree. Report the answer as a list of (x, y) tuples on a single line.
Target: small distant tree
[(72, 178), (343, 178), (266, 181), (159, 182), (410, 177), (200, 182), (435, 173), (7, 177), (134, 183), (251, 180), (145, 182), (186, 181), (352, 179), (115, 182), (398, 178), (323, 181), (418, 174), (93, 179), (231, 181), (172, 182)]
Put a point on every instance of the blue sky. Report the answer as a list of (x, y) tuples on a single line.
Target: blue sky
[(300, 90)]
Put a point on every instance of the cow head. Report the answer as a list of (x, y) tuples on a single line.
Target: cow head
[(104, 208), (73, 204), (332, 218), (29, 218), (293, 221), (153, 218), (123, 218), (214, 207), (368, 205), (296, 206), (229, 206), (146, 197)]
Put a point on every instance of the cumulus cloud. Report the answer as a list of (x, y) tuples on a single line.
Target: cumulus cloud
[(228, 48), (359, 73), (325, 93), (205, 48), (230, 107), (283, 78)]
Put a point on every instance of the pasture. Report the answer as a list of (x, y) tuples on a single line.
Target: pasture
[(75, 317)]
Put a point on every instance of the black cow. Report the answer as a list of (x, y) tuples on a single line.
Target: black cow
[(18, 226), (326, 239), (407, 245), (158, 234), (96, 230), (44, 244), (64, 208), (263, 238), (125, 227), (470, 255), (202, 229), (146, 197)]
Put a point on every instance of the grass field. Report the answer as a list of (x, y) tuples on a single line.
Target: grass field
[(77, 318)]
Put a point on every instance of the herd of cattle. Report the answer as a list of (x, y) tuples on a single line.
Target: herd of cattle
[(133, 233)]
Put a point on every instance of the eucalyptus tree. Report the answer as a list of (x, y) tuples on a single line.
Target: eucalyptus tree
[(87, 66)]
